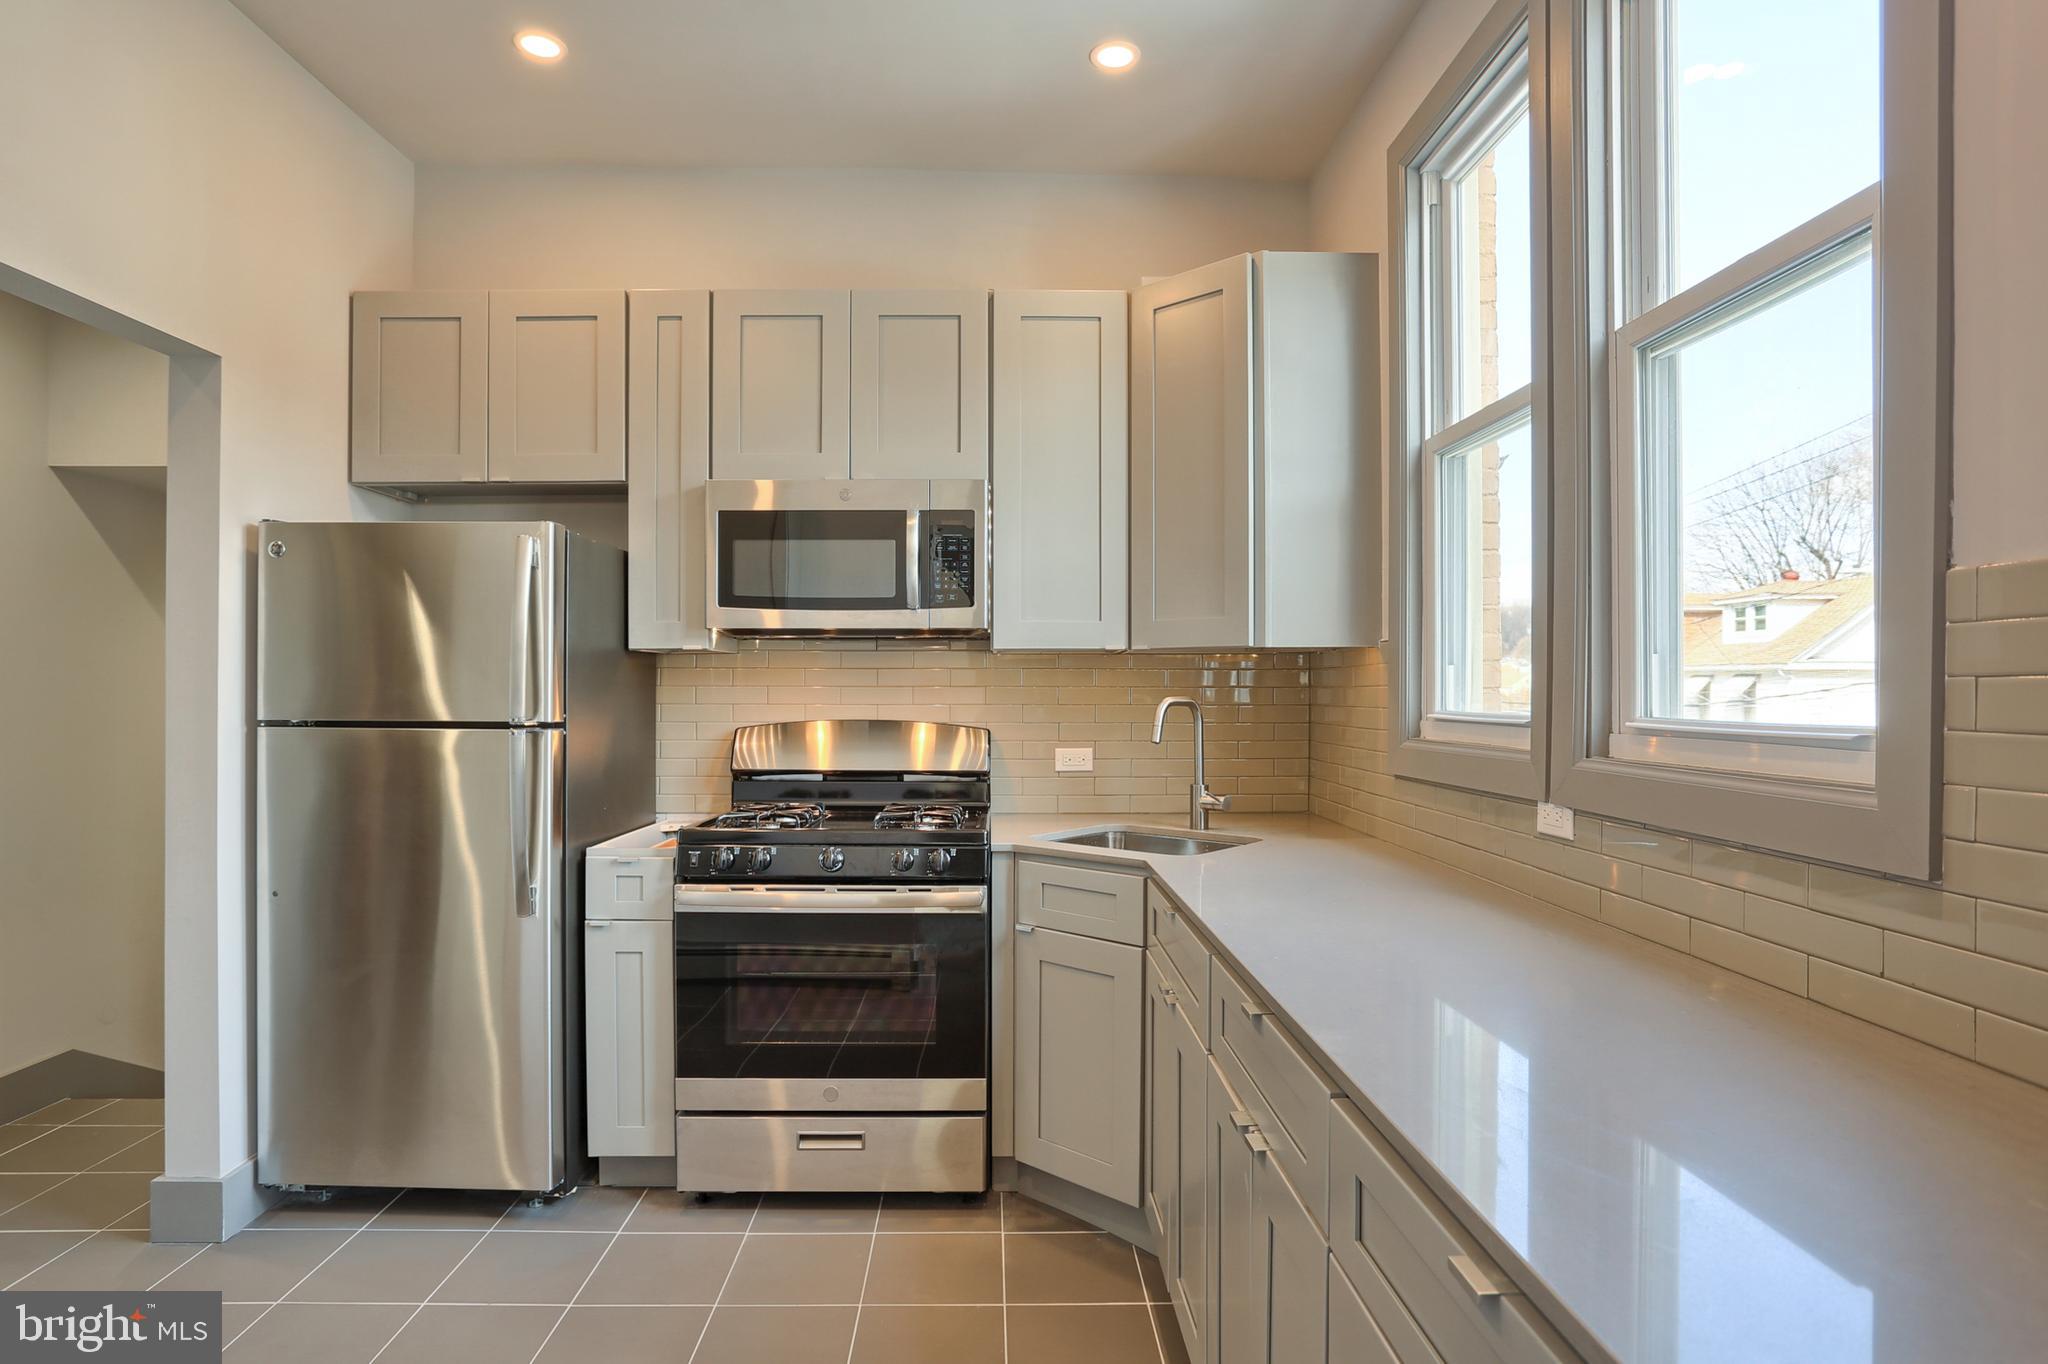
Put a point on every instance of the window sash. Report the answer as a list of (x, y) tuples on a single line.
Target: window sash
[(1646, 586), (1438, 638)]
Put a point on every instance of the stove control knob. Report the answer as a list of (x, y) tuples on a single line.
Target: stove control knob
[(939, 859), (832, 859), (904, 860), (761, 858), (723, 858)]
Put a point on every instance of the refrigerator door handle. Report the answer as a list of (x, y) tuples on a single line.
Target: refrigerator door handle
[(529, 819), (528, 568)]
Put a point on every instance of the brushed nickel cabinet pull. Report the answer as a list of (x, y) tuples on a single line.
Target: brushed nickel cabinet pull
[(1477, 1281)]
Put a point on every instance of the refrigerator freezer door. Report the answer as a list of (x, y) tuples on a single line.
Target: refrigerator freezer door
[(419, 622), (410, 958)]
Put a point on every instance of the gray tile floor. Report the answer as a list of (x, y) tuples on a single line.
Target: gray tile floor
[(625, 1275)]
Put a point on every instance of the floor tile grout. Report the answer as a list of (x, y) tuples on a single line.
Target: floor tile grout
[(443, 1283), (1150, 1316), (752, 1218), (874, 1238), (302, 1280), (570, 1305), (1003, 1248)]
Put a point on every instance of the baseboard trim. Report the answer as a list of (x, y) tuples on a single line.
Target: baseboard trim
[(637, 1172), (75, 1075), (1091, 1207), (199, 1209)]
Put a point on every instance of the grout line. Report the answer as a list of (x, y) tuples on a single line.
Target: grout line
[(680, 1306), (1003, 1249), (444, 1281), (874, 1238), (302, 1280), (1150, 1316), (587, 1277), (752, 1218)]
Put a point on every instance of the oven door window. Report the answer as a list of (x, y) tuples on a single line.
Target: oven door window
[(814, 560), (775, 995)]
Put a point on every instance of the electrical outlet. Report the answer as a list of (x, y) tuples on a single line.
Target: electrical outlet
[(1073, 760), (1554, 821)]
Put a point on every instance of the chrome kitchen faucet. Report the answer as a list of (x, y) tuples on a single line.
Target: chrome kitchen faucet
[(1200, 800)]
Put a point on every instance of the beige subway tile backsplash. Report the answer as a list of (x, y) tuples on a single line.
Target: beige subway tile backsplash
[(1256, 707)]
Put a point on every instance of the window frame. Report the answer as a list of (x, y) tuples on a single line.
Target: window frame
[(1499, 754), (1807, 808)]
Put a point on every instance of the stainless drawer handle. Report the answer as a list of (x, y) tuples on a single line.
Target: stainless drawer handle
[(1477, 1281), (1243, 1121), (1253, 1014), (1170, 995), (831, 1141), (1257, 1141), (1027, 928)]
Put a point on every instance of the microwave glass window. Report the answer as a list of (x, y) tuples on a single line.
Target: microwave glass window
[(796, 560)]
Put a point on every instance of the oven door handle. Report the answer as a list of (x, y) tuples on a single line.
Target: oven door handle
[(876, 900)]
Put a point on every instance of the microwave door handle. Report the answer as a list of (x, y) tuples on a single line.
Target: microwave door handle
[(913, 560)]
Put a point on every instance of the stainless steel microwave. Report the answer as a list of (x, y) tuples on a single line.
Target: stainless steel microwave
[(854, 556)]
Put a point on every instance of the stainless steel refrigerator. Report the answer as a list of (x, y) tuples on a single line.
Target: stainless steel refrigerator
[(447, 718)]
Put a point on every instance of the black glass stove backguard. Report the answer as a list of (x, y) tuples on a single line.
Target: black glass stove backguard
[(786, 994)]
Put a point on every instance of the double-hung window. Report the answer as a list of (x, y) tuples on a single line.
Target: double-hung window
[(1762, 423), (1471, 474)]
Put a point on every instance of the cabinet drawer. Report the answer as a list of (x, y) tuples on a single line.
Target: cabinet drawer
[(1383, 1221), (1289, 1095), (1388, 1332), (1170, 929), (832, 1153), (1095, 904)]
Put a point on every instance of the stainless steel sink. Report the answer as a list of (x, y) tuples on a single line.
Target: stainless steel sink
[(1130, 838)]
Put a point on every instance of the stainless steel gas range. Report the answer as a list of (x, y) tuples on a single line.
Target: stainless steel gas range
[(832, 964)]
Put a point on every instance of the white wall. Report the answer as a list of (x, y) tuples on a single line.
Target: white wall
[(613, 227), (108, 399), (82, 752), (167, 161), (2001, 273), (2001, 281)]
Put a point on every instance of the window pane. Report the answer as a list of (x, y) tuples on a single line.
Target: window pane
[(1773, 118), (1490, 326), (1485, 576), (1758, 526)]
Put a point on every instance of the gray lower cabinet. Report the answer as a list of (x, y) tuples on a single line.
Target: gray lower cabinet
[(1162, 1111), (1255, 454), (1236, 1316), (1287, 1264), (1354, 1337), (629, 1027), (1178, 1194), (1061, 468), (1080, 1062)]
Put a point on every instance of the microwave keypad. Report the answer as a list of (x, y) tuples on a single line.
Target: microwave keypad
[(952, 568)]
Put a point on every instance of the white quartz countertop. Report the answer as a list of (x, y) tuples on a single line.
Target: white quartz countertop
[(1692, 1166)]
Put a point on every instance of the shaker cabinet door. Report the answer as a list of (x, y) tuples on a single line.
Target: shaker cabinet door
[(1080, 1059), (419, 388), (629, 1013), (668, 448), (920, 383), (1061, 466), (558, 386), (1191, 460), (779, 381)]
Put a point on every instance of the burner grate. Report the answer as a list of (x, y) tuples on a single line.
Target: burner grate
[(931, 817), (770, 815)]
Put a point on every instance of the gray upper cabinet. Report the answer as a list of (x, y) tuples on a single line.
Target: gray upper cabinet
[(779, 375), (1061, 465), (474, 388), (1255, 470), (668, 449), (558, 386), (920, 383), (419, 388)]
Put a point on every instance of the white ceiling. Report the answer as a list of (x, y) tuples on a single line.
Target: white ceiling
[(1226, 87)]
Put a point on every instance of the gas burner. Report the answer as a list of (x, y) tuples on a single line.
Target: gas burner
[(769, 815), (904, 815)]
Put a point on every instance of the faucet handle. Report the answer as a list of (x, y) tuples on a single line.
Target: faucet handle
[(1212, 801)]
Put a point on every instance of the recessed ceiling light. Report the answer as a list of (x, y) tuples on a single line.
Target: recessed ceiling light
[(1115, 55), (540, 47)]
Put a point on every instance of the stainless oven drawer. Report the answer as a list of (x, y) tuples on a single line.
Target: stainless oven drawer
[(832, 1154), (706, 1094)]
